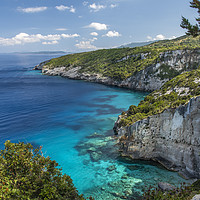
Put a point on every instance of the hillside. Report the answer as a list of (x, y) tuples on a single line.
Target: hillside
[(142, 68), (120, 64), (164, 127), (172, 94)]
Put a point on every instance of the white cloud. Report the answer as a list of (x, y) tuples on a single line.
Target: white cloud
[(70, 35), (32, 9), (93, 39), (113, 5), (72, 9), (112, 34), (53, 42), (85, 45), (24, 38), (94, 34), (63, 8), (98, 26), (95, 8), (160, 37), (149, 37), (61, 29)]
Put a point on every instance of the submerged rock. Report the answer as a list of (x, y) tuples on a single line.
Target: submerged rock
[(165, 186), (95, 135), (95, 157), (91, 149), (111, 168)]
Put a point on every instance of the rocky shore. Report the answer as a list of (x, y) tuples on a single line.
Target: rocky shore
[(170, 138), (170, 64)]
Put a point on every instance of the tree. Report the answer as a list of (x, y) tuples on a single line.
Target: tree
[(193, 30), (26, 174)]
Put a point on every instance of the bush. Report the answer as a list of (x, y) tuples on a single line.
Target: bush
[(26, 174), (180, 193), (164, 98)]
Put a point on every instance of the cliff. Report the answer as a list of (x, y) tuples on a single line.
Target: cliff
[(172, 136), (144, 68), (152, 77)]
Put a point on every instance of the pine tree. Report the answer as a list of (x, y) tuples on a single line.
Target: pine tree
[(193, 30)]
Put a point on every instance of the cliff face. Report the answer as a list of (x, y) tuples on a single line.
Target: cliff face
[(168, 65), (171, 138)]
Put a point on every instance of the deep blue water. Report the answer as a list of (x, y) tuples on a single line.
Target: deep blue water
[(61, 115)]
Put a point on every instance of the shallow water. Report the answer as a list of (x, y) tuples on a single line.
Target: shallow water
[(62, 115)]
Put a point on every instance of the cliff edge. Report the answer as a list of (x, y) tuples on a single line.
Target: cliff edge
[(172, 136), (144, 68)]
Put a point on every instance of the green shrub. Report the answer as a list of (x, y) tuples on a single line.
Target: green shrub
[(26, 174), (180, 193), (166, 97)]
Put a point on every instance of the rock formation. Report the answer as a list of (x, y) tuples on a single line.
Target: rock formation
[(169, 64), (171, 138)]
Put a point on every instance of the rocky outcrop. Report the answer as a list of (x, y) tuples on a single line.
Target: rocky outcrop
[(171, 138), (196, 197), (165, 186), (168, 65), (40, 66)]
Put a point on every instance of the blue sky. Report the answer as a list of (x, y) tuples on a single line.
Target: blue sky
[(82, 25)]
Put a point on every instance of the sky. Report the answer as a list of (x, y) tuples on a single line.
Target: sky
[(85, 25)]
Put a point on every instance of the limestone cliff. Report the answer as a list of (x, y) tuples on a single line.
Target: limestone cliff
[(171, 137), (168, 65)]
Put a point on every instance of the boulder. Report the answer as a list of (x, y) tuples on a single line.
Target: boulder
[(166, 186), (196, 197)]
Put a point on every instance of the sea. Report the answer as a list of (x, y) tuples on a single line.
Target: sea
[(73, 121)]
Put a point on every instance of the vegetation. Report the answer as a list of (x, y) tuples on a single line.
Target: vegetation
[(122, 63), (172, 94), (182, 193), (26, 174), (193, 30)]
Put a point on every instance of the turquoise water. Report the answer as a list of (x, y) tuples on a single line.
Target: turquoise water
[(73, 121)]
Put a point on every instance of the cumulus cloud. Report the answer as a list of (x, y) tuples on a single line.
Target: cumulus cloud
[(63, 8), (85, 45), (53, 42), (93, 39), (95, 8), (24, 38), (94, 34), (32, 9), (160, 37), (70, 35), (113, 5), (112, 34), (72, 9), (98, 26)]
